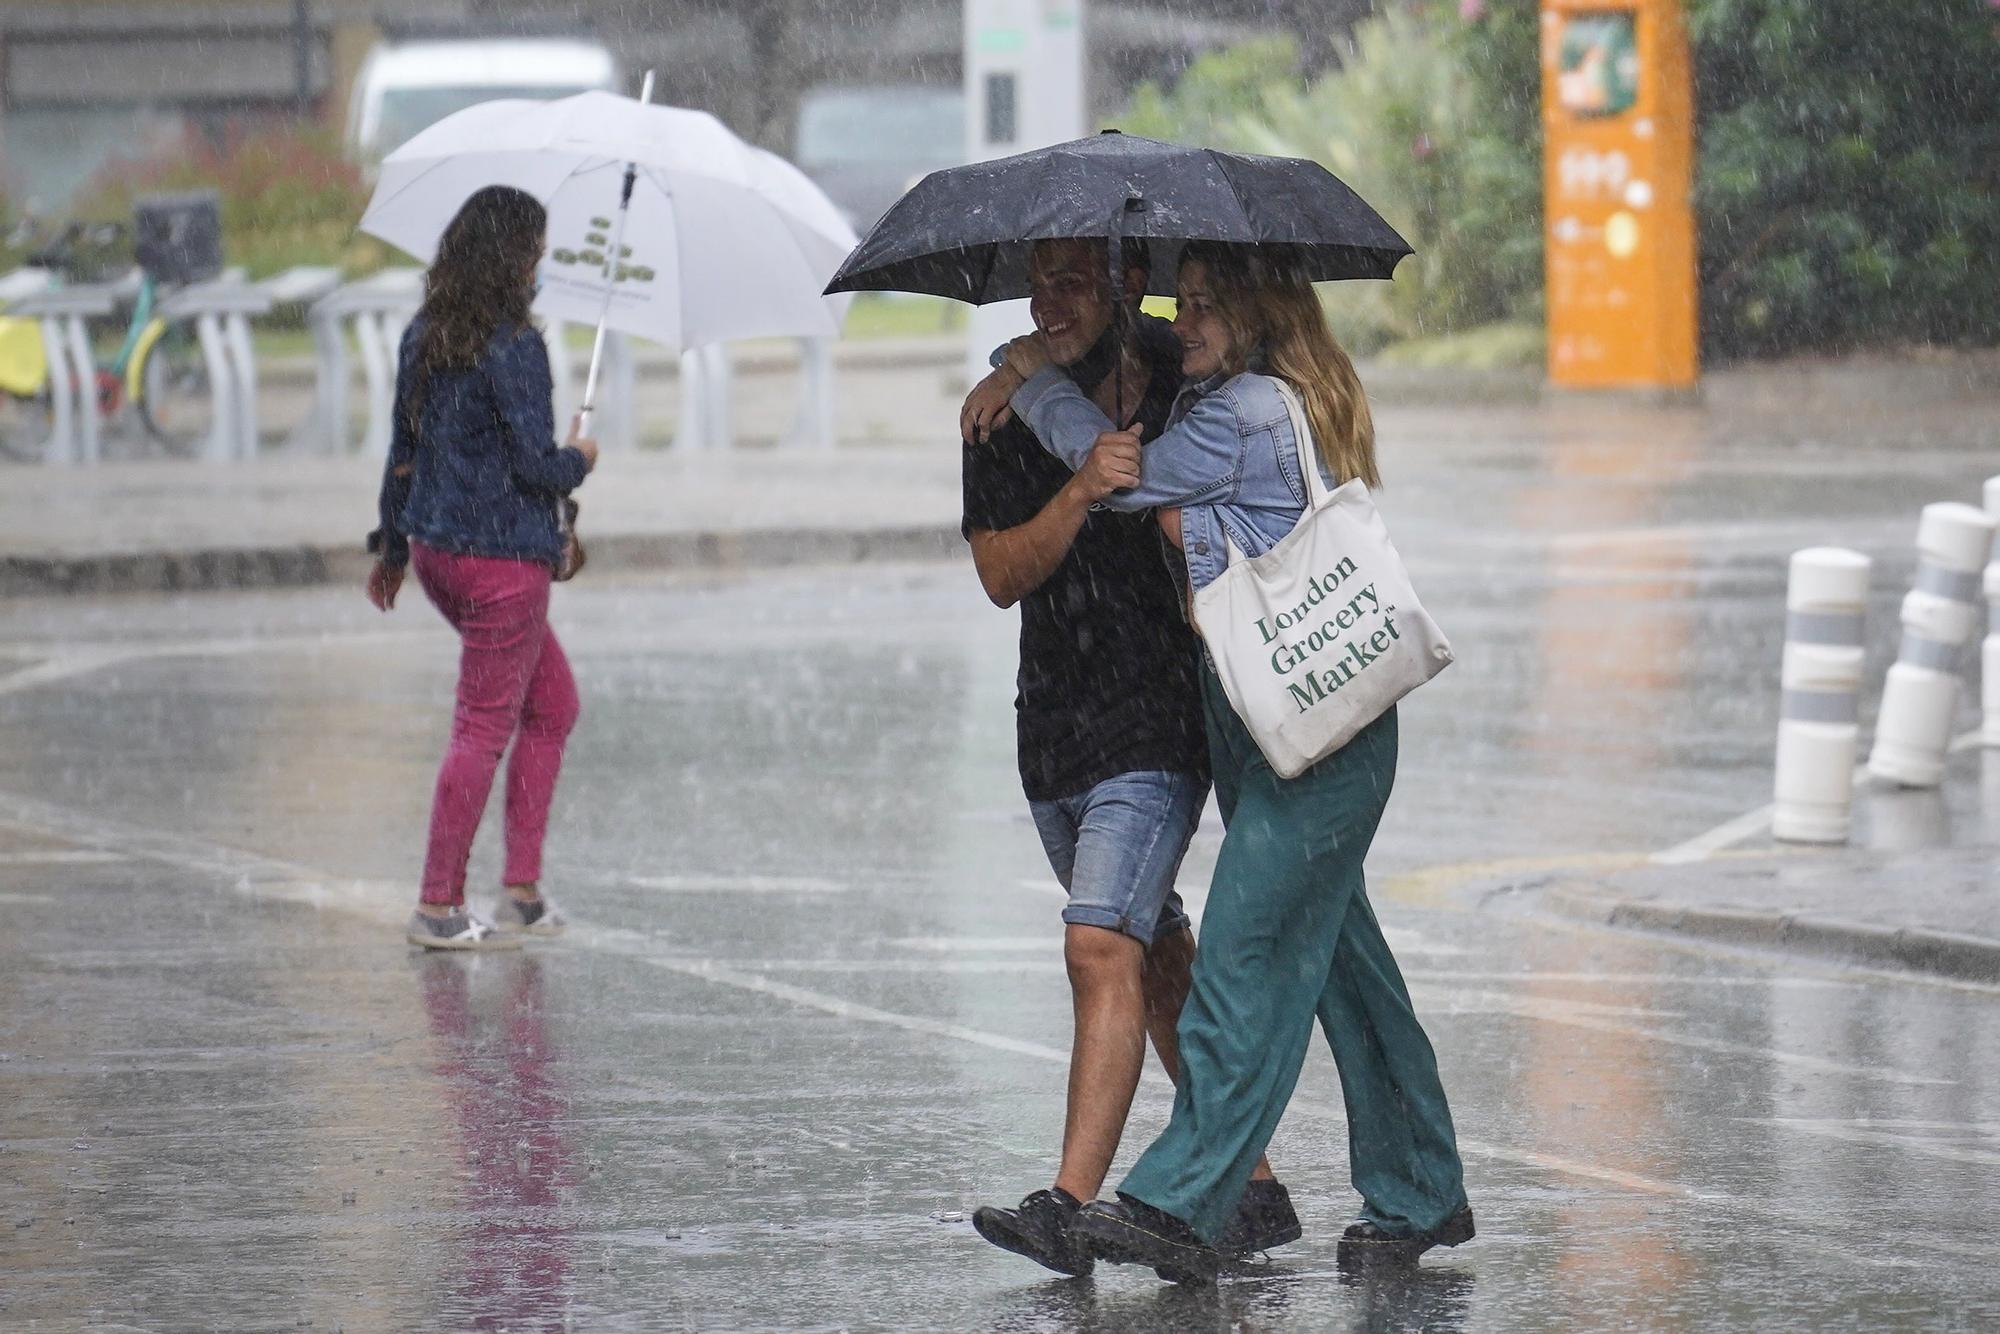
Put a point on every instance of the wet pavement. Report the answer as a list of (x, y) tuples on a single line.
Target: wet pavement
[(814, 1010)]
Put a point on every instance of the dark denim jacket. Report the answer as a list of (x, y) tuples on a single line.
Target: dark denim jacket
[(485, 471)]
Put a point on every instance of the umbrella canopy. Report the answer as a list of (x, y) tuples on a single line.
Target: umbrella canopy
[(966, 232), (722, 241)]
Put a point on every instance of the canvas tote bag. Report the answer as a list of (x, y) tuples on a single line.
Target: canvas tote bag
[(1319, 636)]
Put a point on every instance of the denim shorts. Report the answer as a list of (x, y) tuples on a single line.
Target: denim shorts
[(1117, 848)]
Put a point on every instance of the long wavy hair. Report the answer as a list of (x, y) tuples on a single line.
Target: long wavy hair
[(483, 280), (1266, 303)]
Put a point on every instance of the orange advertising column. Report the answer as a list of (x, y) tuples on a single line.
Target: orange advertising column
[(1618, 160)]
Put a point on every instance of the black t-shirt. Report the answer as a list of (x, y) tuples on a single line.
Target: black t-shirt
[(1108, 680)]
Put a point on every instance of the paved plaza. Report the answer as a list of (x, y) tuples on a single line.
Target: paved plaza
[(814, 1009)]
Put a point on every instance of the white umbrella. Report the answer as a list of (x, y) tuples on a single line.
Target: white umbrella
[(714, 239)]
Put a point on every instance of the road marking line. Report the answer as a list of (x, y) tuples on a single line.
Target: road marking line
[(739, 884), (64, 661), (257, 876), (1041, 886), (57, 669), (1881, 1134), (1559, 1012), (1726, 835), (61, 857), (1751, 823)]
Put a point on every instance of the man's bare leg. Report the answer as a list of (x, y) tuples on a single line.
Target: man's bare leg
[(1168, 973), (1121, 991), (1106, 1054)]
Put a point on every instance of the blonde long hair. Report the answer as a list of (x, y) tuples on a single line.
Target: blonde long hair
[(1266, 303)]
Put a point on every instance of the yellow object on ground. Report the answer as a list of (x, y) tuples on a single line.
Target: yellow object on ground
[(24, 365)]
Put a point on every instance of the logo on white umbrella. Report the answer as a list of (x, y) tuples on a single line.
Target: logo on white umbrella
[(596, 242)]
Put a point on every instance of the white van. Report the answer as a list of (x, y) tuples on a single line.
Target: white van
[(408, 86)]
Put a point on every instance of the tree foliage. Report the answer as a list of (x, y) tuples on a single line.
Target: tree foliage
[(288, 197), (1847, 182), (1848, 187), (1394, 121)]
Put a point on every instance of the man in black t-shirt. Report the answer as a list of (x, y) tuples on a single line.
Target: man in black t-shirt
[(1112, 748)]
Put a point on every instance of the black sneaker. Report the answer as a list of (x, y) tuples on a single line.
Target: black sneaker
[(1264, 1220), (1126, 1231), (1041, 1229), (1364, 1243)]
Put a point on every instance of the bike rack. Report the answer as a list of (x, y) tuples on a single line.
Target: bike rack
[(304, 285), (814, 423), (707, 377), (379, 306), (76, 428), (221, 312), (616, 418)]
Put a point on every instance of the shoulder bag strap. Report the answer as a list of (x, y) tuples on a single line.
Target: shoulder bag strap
[(1317, 491)]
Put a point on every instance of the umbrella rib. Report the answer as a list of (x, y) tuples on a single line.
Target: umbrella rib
[(439, 164)]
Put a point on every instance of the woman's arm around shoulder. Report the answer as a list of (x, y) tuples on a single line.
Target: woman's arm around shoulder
[(1196, 461)]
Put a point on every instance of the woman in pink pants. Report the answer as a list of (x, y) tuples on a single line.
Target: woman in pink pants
[(469, 497)]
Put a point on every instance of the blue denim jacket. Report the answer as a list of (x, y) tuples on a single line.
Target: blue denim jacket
[(484, 470), (1229, 461)]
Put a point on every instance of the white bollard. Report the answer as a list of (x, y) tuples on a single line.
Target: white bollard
[(1989, 662), (1913, 730), (1826, 597)]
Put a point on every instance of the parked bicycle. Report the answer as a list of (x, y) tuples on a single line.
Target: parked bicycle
[(158, 371)]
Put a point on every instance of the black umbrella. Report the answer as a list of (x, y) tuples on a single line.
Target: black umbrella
[(966, 232)]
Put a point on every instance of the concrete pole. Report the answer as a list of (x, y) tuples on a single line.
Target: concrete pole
[(379, 375), (1025, 88), (1818, 734), (84, 385), (243, 373), (62, 448), (1989, 666), (1939, 615), (223, 402)]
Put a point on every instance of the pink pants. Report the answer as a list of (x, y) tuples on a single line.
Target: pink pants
[(512, 678)]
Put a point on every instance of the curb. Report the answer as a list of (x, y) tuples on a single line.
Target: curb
[(1914, 949), (235, 568)]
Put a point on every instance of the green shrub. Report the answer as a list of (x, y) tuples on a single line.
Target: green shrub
[(1847, 179), (288, 197), (1848, 186), (1398, 123)]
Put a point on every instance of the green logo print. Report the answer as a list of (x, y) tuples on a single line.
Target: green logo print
[(1300, 635), (592, 255)]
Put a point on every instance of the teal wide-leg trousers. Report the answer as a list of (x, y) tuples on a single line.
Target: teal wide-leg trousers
[(1288, 936)]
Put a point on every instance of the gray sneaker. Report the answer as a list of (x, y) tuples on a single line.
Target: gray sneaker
[(539, 917), (456, 931)]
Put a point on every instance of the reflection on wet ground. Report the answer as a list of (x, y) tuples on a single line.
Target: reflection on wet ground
[(815, 1009)]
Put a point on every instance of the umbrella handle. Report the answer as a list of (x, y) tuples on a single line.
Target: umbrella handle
[(583, 417)]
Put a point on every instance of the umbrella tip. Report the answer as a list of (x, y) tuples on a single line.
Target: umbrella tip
[(1112, 130)]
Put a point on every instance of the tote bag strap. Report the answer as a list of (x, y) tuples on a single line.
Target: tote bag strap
[(1318, 493)]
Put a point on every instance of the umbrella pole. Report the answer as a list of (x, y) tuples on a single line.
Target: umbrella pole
[(610, 279), (1119, 318)]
